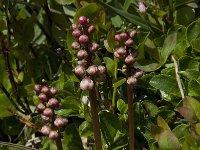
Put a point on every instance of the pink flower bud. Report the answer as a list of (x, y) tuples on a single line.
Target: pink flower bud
[(132, 34), (118, 37), (86, 84), (53, 103), (76, 45), (40, 107), (76, 33), (131, 80), (116, 54), (83, 39), (88, 21), (82, 54), (60, 122), (48, 112), (45, 90), (79, 70), (42, 97), (83, 20), (82, 62), (45, 130), (45, 118), (129, 43), (102, 69), (129, 59), (53, 135), (53, 91), (123, 35), (91, 29), (94, 47), (121, 51), (92, 70), (74, 26), (37, 88), (141, 7), (138, 74)]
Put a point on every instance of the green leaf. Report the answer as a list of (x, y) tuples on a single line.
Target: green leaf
[(188, 62), (196, 44), (65, 2), (193, 30), (165, 83), (122, 106), (110, 65), (88, 10), (152, 109), (161, 123), (190, 74), (194, 88), (85, 129), (72, 139), (183, 17), (180, 130), (71, 102), (168, 141), (119, 83), (111, 39)]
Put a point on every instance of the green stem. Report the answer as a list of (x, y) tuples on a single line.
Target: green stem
[(115, 80), (95, 118), (130, 112)]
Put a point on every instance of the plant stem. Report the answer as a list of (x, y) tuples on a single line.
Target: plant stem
[(59, 144), (171, 11), (130, 112), (115, 80), (178, 79), (95, 118)]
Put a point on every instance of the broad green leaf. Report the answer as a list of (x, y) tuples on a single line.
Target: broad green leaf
[(110, 65), (193, 88), (111, 39), (161, 123), (180, 130), (165, 83), (188, 62), (168, 141), (193, 30), (187, 113), (196, 44), (85, 129), (64, 2), (180, 49), (152, 109), (183, 17), (72, 139), (119, 83), (122, 106), (71, 102), (190, 74), (197, 128), (88, 10)]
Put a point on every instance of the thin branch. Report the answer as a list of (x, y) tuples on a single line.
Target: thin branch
[(178, 79)]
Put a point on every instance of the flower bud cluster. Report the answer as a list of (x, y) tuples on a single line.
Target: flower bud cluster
[(126, 40), (48, 104), (86, 53)]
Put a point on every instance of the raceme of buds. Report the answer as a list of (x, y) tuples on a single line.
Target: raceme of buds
[(129, 59), (53, 103), (83, 20), (138, 74), (123, 35), (102, 69), (42, 97), (129, 43), (45, 90), (37, 88), (79, 70), (86, 84), (132, 33), (40, 107), (48, 112), (91, 29), (94, 47), (76, 45), (83, 39), (76, 33), (82, 54), (60, 122), (53, 91)]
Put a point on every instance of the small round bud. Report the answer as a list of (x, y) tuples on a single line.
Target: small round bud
[(123, 35), (60, 122), (131, 80), (74, 26), (94, 47), (53, 91), (48, 112), (86, 84), (88, 21), (83, 20), (141, 7), (132, 34), (129, 42), (82, 62), (76, 33), (82, 54), (121, 51), (129, 59), (76, 45), (45, 90), (118, 37), (53, 103), (83, 39), (116, 54), (92, 70), (37, 88), (42, 97), (45, 118), (53, 135), (79, 70), (91, 29), (102, 69), (40, 107), (45, 130), (138, 74)]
